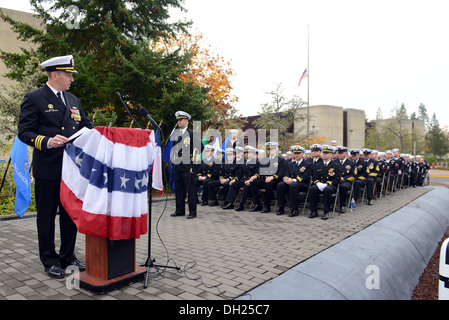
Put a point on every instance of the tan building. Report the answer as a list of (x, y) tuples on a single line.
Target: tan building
[(8, 38), (346, 126)]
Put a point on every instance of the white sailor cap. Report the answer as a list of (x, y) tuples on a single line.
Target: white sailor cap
[(62, 63), (208, 147), (182, 115), (239, 149), (388, 151), (395, 150), (230, 151)]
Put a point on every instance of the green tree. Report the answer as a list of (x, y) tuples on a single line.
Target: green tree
[(11, 98), (436, 140), (112, 53)]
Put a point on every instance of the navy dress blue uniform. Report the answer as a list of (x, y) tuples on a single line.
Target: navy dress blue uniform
[(272, 166), (367, 170), (205, 172), (43, 116), (299, 171), (186, 151), (347, 167), (250, 169), (231, 171), (328, 173)]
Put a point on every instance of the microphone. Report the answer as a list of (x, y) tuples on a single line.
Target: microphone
[(144, 113), (127, 110)]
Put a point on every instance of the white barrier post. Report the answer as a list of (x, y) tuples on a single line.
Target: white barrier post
[(443, 283)]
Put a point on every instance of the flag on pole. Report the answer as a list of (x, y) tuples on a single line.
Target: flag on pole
[(19, 160), (157, 163), (204, 142), (305, 74), (166, 157), (105, 176), (216, 144), (223, 146)]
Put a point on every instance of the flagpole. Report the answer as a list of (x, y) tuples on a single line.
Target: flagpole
[(308, 82)]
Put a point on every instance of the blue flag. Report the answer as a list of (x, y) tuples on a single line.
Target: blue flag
[(19, 160), (166, 158), (223, 146)]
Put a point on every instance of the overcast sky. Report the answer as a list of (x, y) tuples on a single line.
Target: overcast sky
[(363, 54)]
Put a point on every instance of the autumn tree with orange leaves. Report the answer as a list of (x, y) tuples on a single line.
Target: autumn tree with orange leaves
[(210, 71)]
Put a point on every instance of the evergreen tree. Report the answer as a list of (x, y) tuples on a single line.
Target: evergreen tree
[(436, 140), (111, 44)]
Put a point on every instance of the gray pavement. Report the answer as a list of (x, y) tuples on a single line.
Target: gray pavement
[(222, 254)]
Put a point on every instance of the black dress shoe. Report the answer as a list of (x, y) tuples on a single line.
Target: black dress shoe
[(191, 215), (176, 214), (224, 204), (255, 208), (266, 210), (294, 213), (325, 216), (76, 263), (280, 211), (228, 206), (214, 203), (313, 214), (240, 207), (55, 271), (342, 210)]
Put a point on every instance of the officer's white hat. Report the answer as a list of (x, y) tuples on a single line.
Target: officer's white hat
[(327, 149), (250, 149), (182, 115), (271, 145), (62, 63), (297, 149)]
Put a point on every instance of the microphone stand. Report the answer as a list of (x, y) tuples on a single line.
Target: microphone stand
[(149, 263)]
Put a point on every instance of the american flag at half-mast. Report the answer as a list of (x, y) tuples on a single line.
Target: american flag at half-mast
[(305, 74), (104, 185)]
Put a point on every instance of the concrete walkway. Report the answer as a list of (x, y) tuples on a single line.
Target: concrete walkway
[(222, 254)]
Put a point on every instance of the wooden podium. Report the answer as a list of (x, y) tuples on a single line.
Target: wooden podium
[(110, 264)]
